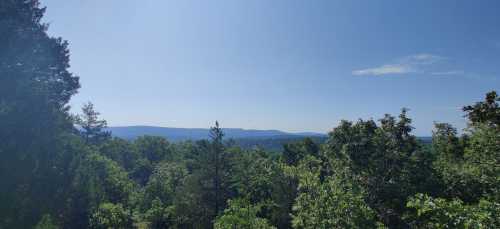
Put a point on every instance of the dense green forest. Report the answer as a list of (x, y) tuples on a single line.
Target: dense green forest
[(59, 170)]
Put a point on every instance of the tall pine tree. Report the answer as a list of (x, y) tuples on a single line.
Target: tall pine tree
[(35, 87)]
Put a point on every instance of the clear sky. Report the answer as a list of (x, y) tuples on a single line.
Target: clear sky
[(287, 65)]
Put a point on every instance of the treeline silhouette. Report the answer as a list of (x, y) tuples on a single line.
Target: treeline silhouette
[(59, 170)]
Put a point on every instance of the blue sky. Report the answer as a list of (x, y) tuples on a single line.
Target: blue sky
[(288, 65)]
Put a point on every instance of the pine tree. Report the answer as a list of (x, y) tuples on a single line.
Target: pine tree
[(216, 136), (35, 87), (92, 128)]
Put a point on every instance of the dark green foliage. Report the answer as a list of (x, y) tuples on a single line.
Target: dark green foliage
[(165, 183), (274, 145), (486, 112), (97, 180), (294, 152), (251, 175), (150, 150), (109, 216), (367, 175), (123, 152), (240, 213), (46, 222), (446, 142), (470, 171), (142, 170), (386, 161), (468, 167), (217, 149), (154, 149), (257, 178), (442, 213), (208, 184), (159, 216), (332, 202), (35, 86)]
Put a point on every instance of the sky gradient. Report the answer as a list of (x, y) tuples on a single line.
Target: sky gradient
[(287, 65)]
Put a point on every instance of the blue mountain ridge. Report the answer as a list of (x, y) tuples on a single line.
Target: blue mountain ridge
[(180, 134)]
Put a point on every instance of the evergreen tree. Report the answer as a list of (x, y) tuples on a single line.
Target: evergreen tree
[(92, 128), (35, 87), (217, 148)]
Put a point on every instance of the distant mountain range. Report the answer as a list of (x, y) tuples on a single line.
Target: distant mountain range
[(271, 140), (180, 134)]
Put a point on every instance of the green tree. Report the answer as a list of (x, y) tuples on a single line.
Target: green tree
[(256, 177), (35, 84), (121, 151), (160, 216), (486, 112), (35, 87), (217, 148), (165, 183), (441, 213), (284, 192), (240, 213), (387, 160), (97, 180), (143, 169), (208, 186), (92, 128), (294, 152), (111, 216), (467, 165), (151, 151), (332, 202), (154, 148), (446, 142)]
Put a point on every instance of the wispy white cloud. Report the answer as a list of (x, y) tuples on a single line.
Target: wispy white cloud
[(448, 73), (422, 59), (383, 70), (405, 65)]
